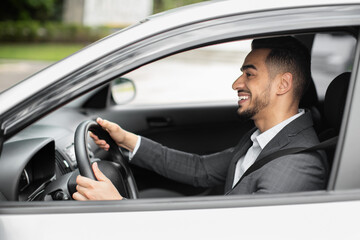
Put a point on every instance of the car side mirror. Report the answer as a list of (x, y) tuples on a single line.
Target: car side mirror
[(123, 90)]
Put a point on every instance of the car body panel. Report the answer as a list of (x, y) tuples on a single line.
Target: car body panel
[(284, 221)]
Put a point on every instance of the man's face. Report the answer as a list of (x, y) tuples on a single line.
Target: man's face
[(254, 85)]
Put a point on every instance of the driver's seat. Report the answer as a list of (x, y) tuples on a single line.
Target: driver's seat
[(334, 104)]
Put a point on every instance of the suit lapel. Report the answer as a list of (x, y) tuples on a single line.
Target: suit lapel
[(280, 141), (283, 138)]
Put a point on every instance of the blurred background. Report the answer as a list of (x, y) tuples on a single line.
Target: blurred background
[(36, 33)]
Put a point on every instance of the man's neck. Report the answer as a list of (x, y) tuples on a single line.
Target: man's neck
[(268, 120)]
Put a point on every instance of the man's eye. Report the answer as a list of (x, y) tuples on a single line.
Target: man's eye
[(248, 74)]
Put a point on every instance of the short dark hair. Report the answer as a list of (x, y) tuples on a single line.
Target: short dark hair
[(287, 55)]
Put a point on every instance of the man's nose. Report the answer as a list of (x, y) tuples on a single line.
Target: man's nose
[(239, 83)]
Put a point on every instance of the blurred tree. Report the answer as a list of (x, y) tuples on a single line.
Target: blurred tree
[(163, 5), (41, 10)]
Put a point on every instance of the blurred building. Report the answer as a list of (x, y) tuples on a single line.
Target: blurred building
[(116, 13)]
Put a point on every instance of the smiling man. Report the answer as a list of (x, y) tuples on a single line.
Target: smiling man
[(275, 75)]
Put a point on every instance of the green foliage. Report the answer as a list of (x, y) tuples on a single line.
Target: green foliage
[(35, 31), (39, 21), (38, 51), (41, 10), (163, 5)]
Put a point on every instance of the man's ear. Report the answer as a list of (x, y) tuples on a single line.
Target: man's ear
[(285, 83)]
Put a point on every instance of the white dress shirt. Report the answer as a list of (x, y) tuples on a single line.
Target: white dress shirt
[(132, 154)]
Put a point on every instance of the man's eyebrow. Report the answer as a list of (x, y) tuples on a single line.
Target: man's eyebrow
[(248, 66)]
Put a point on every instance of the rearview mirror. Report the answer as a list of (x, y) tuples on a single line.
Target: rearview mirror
[(123, 90)]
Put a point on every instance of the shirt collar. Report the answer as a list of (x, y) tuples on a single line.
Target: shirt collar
[(264, 138)]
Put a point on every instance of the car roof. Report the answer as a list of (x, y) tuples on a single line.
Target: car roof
[(147, 27)]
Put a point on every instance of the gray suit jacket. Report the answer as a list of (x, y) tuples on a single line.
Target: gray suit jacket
[(291, 173)]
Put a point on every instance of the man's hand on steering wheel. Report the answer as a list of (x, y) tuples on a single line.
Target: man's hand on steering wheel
[(88, 189), (121, 137), (108, 136)]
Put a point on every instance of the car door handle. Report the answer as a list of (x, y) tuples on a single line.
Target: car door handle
[(158, 122)]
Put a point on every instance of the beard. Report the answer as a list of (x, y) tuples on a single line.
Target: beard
[(260, 103)]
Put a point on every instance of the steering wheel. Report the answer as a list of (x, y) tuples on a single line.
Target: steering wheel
[(117, 170)]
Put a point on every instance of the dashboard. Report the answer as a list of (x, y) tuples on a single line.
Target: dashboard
[(27, 166), (38, 155)]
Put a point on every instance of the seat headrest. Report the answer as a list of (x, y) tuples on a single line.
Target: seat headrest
[(310, 97), (335, 99)]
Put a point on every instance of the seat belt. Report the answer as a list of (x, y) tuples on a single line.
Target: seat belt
[(331, 142)]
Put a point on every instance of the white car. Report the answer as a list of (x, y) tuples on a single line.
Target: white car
[(181, 65)]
